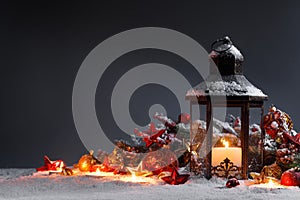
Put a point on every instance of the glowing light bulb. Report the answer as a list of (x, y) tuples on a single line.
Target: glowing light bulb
[(133, 177), (271, 184), (98, 173)]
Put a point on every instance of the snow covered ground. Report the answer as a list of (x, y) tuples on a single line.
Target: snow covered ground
[(20, 184)]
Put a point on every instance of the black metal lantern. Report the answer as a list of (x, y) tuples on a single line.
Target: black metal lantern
[(226, 71)]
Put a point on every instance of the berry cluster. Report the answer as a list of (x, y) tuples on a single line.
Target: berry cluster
[(287, 152)]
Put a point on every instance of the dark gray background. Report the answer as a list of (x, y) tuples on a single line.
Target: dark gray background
[(44, 44)]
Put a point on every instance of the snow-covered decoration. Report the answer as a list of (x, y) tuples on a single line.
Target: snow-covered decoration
[(282, 148), (153, 136), (168, 148), (195, 93), (277, 122), (279, 127), (49, 165), (226, 75), (175, 178), (232, 85), (162, 164), (226, 86), (167, 132)]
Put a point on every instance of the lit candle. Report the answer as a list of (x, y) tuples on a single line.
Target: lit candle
[(219, 154)]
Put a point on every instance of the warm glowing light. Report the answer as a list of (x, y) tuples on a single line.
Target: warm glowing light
[(133, 177), (270, 184), (225, 143), (137, 179), (219, 154), (98, 172), (84, 166)]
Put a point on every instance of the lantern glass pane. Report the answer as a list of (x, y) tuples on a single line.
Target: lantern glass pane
[(227, 128), (255, 140), (198, 139)]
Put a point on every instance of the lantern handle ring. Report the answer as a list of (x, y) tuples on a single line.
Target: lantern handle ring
[(222, 41)]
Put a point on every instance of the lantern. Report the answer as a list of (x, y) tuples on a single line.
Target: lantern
[(227, 87)]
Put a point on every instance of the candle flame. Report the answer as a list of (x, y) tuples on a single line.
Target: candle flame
[(225, 143)]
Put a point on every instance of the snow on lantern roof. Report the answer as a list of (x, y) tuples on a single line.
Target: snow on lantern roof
[(228, 80)]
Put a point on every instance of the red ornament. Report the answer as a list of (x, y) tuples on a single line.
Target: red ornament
[(159, 161), (56, 165), (151, 131), (232, 182), (151, 136), (94, 168), (185, 118), (87, 161), (290, 178), (105, 167), (176, 178), (276, 122)]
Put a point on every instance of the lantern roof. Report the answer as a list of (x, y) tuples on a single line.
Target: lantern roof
[(226, 76)]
